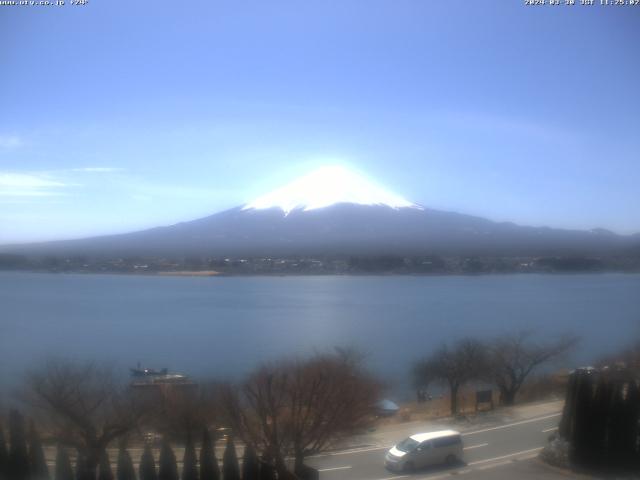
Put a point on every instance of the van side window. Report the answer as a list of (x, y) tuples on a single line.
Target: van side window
[(426, 445), (446, 441)]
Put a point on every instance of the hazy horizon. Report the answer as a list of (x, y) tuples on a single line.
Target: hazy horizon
[(117, 117)]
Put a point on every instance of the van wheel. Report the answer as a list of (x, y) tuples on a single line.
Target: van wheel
[(409, 467), (450, 460)]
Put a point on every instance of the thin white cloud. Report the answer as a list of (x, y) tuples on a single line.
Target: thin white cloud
[(97, 169), (28, 185), (493, 123), (10, 141), (22, 180)]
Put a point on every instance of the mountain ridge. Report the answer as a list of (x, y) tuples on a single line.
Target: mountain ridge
[(341, 229), (336, 211)]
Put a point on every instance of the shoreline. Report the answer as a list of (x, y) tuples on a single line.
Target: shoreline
[(215, 273), (181, 273)]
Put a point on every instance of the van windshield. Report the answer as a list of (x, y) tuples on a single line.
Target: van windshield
[(407, 445)]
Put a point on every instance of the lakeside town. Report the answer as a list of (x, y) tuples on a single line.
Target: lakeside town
[(338, 265)]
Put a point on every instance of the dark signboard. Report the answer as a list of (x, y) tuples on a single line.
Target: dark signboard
[(484, 396)]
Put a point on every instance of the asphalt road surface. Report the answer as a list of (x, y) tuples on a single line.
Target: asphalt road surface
[(484, 448)]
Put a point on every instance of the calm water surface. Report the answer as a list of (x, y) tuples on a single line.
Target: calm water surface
[(225, 326)]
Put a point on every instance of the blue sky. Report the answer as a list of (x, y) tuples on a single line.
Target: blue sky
[(120, 115)]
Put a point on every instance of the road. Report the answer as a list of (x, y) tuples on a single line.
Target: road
[(491, 440), (484, 448)]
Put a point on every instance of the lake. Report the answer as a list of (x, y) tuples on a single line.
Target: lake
[(224, 326)]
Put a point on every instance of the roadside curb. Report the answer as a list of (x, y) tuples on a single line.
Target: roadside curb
[(471, 430)]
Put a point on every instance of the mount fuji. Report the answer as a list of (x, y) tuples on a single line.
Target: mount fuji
[(334, 211), (325, 187)]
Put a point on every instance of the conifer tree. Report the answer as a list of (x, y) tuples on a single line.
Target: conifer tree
[(633, 396), (104, 467), (189, 461), (148, 465), (582, 415), (168, 466), (4, 455), (630, 424), (209, 469), (267, 471), (125, 470), (230, 466), (63, 470), (599, 420), (617, 426), (18, 464), (250, 464), (565, 428), (38, 469), (82, 470)]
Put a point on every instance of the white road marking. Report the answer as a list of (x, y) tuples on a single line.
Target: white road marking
[(373, 449), (522, 452), (479, 462), (482, 467), (522, 422), (347, 452), (494, 465), (445, 475), (334, 468), (436, 477), (471, 447), (549, 429)]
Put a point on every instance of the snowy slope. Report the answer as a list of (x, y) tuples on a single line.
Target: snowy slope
[(325, 187)]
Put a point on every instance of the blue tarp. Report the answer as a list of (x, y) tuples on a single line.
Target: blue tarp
[(388, 406)]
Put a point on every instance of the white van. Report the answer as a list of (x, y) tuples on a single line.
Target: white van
[(424, 449)]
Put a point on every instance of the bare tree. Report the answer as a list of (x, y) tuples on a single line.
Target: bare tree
[(514, 357), (423, 374), (84, 406), (302, 407), (454, 366), (253, 406), (185, 410)]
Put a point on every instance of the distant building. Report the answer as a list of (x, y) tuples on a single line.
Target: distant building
[(160, 385)]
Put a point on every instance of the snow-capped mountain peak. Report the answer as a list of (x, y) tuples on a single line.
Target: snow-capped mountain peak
[(328, 186)]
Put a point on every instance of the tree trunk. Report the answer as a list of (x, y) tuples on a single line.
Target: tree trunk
[(91, 462), (281, 468), (507, 396), (454, 399), (305, 472), (298, 463)]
